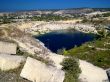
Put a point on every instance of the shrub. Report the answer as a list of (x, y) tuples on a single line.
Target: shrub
[(71, 67)]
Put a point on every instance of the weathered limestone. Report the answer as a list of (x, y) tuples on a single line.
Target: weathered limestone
[(91, 73), (8, 62), (57, 59), (31, 45), (37, 71), (52, 26), (7, 48)]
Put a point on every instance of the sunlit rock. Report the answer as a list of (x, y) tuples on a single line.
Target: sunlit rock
[(37, 71), (8, 62), (7, 48), (91, 73)]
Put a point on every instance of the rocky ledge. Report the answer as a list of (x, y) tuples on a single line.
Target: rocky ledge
[(46, 27)]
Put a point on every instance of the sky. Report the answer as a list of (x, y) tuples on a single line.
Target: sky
[(13, 5)]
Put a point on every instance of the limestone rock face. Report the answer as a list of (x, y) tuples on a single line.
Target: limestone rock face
[(7, 48), (56, 58), (91, 73), (31, 45), (8, 62), (52, 26), (36, 71)]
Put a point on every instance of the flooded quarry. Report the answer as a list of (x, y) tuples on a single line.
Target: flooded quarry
[(65, 39)]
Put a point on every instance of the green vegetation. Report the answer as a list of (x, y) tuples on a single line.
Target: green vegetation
[(96, 52), (96, 21), (71, 67), (4, 19), (62, 51), (106, 14), (49, 17)]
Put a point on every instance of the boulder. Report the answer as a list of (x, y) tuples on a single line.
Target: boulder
[(91, 73), (57, 59), (37, 71), (8, 62), (7, 48)]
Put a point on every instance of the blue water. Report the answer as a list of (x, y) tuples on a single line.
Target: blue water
[(64, 39)]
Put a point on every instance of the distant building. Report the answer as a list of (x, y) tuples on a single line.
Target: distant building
[(7, 48)]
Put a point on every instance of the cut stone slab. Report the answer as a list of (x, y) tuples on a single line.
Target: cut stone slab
[(57, 59), (37, 71), (8, 62), (7, 48), (91, 73)]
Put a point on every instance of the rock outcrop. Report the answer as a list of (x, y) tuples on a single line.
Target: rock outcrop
[(91, 73), (9, 62), (56, 58), (36, 71), (52, 26), (7, 48), (31, 45)]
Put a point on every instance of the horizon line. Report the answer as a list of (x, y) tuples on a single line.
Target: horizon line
[(24, 10)]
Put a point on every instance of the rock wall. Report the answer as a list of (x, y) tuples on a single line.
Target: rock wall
[(52, 26)]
